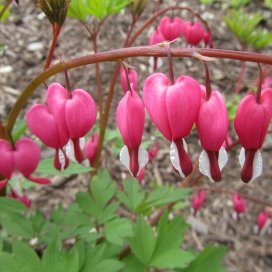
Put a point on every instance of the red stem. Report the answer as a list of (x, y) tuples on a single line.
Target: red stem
[(56, 31), (8, 3), (259, 90)]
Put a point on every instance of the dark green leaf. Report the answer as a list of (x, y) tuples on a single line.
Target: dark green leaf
[(132, 264), (8, 205)]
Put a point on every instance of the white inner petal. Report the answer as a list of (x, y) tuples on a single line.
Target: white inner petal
[(257, 163), (204, 162), (61, 159), (82, 143), (142, 158), (174, 157), (70, 151)]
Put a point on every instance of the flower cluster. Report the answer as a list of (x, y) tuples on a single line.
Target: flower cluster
[(170, 29)]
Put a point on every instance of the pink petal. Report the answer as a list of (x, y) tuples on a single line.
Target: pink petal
[(171, 29), (133, 78), (43, 124), (130, 116), (26, 156), (7, 165), (154, 91), (182, 103), (80, 113), (212, 122)]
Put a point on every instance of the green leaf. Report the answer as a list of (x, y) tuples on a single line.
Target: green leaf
[(238, 3), (26, 257), (85, 203), (209, 260), (16, 224), (46, 169), (107, 213), (117, 229), (19, 129), (78, 9), (53, 259), (163, 195), (109, 265), (132, 197), (11, 205), (72, 261), (132, 264), (143, 242), (8, 262), (207, 2), (173, 258), (260, 38)]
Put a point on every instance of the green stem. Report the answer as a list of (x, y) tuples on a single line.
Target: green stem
[(117, 54)]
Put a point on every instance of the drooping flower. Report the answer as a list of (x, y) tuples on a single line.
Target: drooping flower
[(22, 198), (77, 110), (140, 176), (239, 204), (194, 33), (24, 157), (261, 220), (173, 109), (171, 28), (251, 123), (91, 148), (198, 201), (212, 126), (130, 116), (132, 76)]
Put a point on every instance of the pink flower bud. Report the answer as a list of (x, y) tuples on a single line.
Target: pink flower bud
[(156, 37), (262, 219), (170, 28), (132, 76), (173, 109), (239, 204), (130, 120), (198, 201), (212, 126), (91, 148), (152, 152), (22, 198), (24, 158), (194, 33), (251, 123)]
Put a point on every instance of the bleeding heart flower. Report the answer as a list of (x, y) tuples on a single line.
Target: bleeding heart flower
[(170, 28), (267, 83), (173, 109), (239, 204), (198, 201), (91, 148), (130, 120), (261, 220), (77, 110), (194, 33), (22, 198), (152, 152), (132, 76), (251, 123), (212, 126), (140, 177), (24, 158)]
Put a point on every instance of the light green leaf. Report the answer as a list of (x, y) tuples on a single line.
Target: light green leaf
[(5, 15), (117, 229), (9, 262), (78, 9), (11, 205), (143, 242), (72, 261), (132, 196), (46, 169), (173, 258), (19, 129)]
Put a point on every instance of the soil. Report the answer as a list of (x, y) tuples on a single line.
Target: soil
[(26, 36)]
